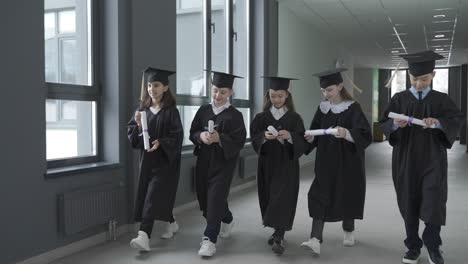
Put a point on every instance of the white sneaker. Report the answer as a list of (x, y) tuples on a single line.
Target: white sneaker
[(226, 229), (171, 229), (348, 239), (141, 242), (313, 244), (207, 248)]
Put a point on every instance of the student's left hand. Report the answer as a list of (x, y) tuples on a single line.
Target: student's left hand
[(155, 146), (283, 134), (431, 121), (341, 132), (214, 137)]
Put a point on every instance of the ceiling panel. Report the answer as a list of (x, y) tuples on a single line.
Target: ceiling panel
[(365, 27)]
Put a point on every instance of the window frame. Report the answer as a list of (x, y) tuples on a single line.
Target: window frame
[(193, 100), (80, 92)]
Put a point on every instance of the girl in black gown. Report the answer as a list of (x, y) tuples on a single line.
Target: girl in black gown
[(338, 190), (278, 164), (159, 165)]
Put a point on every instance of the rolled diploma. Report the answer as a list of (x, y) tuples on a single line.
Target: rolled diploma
[(409, 119), (144, 124), (321, 132), (211, 126), (272, 130)]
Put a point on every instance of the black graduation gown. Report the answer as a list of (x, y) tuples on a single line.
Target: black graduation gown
[(216, 162), (419, 159), (278, 168), (339, 188), (159, 170)]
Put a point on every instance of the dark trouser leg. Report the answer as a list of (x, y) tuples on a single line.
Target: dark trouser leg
[(147, 226), (279, 234), (148, 212), (431, 236), (212, 232), (413, 241), (348, 225), (317, 229), (227, 219)]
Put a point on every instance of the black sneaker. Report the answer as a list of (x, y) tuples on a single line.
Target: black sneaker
[(270, 240), (278, 246), (435, 256), (411, 256)]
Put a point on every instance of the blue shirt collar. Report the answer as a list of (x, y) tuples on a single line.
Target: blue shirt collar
[(424, 92)]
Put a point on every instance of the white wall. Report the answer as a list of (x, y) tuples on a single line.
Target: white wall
[(366, 79), (301, 53)]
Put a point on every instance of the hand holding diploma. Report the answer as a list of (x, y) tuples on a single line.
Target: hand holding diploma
[(272, 133), (309, 138), (214, 137), (341, 132), (155, 146), (138, 118), (210, 136), (427, 122), (205, 137), (431, 122), (144, 125), (283, 134)]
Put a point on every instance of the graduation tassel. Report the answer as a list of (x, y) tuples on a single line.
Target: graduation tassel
[(355, 87), (388, 84), (142, 91)]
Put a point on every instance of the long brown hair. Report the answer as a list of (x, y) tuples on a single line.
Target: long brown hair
[(167, 100), (267, 102), (345, 95)]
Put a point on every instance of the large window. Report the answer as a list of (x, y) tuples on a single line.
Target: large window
[(398, 82), (72, 92), (211, 35), (441, 80)]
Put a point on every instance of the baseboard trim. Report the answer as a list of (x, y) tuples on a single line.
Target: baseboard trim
[(100, 238)]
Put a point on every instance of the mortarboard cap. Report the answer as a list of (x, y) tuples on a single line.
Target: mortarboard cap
[(223, 80), (278, 83), (330, 77), (421, 63), (157, 75)]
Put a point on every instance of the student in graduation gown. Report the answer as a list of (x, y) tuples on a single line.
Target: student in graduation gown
[(160, 165), (419, 160), (217, 154), (278, 164), (338, 190)]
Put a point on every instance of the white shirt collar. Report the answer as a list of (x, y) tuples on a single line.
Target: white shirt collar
[(218, 110), (326, 106), (154, 110), (278, 113)]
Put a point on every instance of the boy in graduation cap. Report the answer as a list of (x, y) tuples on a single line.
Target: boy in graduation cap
[(339, 187), (159, 165), (419, 161), (278, 163), (217, 153)]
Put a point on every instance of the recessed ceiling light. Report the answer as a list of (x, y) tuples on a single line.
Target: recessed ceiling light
[(438, 16), (439, 49), (395, 51), (439, 36)]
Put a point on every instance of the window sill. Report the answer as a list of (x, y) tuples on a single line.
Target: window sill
[(80, 169)]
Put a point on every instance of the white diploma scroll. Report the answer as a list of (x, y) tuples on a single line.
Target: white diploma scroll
[(409, 119), (321, 132), (144, 124), (272, 130), (211, 126)]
